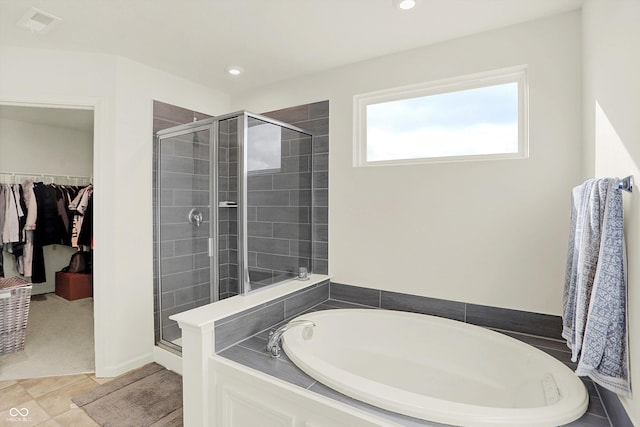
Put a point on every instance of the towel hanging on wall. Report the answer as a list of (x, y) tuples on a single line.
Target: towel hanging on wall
[(595, 294)]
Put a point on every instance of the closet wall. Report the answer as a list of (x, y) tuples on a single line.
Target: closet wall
[(46, 141)]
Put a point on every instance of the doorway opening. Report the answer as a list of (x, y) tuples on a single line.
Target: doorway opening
[(47, 162)]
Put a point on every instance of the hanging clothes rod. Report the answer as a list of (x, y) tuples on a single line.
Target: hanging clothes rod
[(626, 184), (19, 177)]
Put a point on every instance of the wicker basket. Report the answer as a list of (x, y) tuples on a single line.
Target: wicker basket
[(15, 296)]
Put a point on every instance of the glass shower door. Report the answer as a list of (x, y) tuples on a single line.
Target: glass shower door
[(185, 271)]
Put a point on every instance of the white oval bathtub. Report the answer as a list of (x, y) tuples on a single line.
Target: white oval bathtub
[(435, 369)]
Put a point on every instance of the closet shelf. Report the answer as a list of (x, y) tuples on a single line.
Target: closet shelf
[(19, 177)]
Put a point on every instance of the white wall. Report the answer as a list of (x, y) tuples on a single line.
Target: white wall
[(492, 232), (32, 147), (122, 93), (611, 37), (39, 148)]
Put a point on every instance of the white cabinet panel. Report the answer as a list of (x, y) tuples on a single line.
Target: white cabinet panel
[(245, 411), (247, 398)]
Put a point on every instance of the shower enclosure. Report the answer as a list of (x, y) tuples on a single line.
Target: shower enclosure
[(232, 211)]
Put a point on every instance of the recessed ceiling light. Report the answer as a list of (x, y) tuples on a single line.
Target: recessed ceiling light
[(234, 70), (405, 4), (38, 21)]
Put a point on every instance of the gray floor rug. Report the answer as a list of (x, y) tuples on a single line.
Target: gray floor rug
[(148, 396)]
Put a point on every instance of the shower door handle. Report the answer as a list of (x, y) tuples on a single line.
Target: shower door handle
[(210, 247)]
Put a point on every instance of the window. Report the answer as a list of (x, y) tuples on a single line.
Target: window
[(263, 146), (477, 117)]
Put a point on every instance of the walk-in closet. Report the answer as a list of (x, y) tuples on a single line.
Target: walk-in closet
[(46, 236)]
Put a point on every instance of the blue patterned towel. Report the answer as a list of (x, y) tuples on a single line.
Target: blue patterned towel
[(595, 297)]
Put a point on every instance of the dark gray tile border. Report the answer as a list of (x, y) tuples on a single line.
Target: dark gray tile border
[(242, 327), (590, 420), (617, 414), (354, 294), (543, 325), (237, 327), (424, 305), (294, 294), (591, 387), (227, 319), (303, 301), (596, 408), (333, 304)]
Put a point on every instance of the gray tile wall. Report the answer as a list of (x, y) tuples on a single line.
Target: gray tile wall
[(279, 211), (543, 325), (280, 224), (184, 184), (284, 220), (235, 328), (228, 217)]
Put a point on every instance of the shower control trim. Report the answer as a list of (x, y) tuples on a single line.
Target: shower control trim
[(228, 204), (195, 217)]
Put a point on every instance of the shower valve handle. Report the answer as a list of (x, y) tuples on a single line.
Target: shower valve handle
[(195, 217)]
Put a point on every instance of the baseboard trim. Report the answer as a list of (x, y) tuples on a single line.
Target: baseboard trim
[(169, 360), (115, 370)]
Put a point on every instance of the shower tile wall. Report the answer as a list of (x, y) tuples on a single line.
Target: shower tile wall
[(274, 220), (185, 283), (228, 217)]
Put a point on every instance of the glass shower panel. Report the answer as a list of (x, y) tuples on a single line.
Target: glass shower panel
[(228, 207), (183, 226), (278, 199)]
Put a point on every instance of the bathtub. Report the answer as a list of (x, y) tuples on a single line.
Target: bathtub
[(435, 369)]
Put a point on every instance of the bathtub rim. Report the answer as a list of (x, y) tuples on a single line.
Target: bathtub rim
[(572, 406)]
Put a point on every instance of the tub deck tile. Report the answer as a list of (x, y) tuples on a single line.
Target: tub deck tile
[(560, 351), (539, 342), (252, 353), (280, 368), (588, 420)]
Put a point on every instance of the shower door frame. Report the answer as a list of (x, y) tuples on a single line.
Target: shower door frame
[(210, 124), (244, 282)]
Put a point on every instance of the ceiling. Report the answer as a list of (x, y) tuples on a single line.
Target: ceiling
[(273, 40)]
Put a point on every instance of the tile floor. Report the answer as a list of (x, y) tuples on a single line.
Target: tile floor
[(46, 401)]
